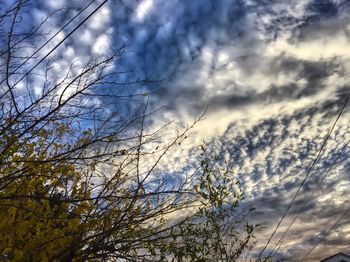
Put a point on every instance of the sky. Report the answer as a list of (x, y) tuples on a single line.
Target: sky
[(272, 77)]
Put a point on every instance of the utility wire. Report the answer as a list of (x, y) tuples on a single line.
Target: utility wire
[(48, 41), (60, 43), (306, 177), (327, 233), (279, 243)]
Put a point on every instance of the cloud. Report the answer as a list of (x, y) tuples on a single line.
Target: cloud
[(273, 75), (143, 9)]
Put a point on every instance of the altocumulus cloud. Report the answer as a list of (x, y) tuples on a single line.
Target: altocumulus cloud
[(273, 75)]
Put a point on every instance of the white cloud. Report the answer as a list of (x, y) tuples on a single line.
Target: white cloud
[(101, 45), (101, 20), (143, 9), (55, 4), (218, 67), (315, 49)]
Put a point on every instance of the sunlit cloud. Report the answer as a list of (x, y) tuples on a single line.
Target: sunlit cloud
[(272, 77)]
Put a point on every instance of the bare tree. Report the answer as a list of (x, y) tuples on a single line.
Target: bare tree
[(79, 180)]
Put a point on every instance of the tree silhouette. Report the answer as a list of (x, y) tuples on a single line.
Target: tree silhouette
[(79, 179)]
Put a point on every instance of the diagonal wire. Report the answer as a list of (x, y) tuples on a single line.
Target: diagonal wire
[(48, 41), (327, 233), (279, 243), (306, 177), (59, 44)]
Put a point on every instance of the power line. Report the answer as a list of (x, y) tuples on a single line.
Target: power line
[(327, 233), (61, 42), (279, 242), (48, 41), (307, 175)]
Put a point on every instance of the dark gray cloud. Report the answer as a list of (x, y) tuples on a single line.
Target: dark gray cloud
[(170, 40), (273, 75), (221, 54)]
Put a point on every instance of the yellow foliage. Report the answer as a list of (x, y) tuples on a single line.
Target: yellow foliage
[(37, 220)]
